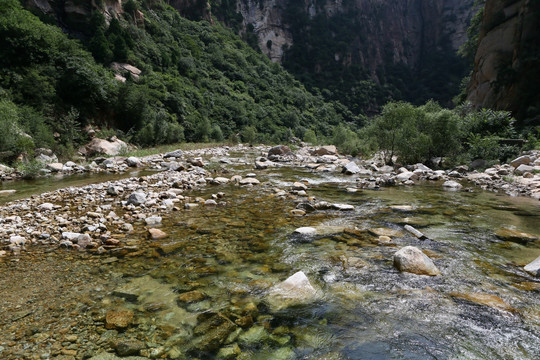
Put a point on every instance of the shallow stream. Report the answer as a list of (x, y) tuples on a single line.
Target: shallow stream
[(200, 293)]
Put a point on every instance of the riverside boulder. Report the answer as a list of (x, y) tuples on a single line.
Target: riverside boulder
[(413, 260)]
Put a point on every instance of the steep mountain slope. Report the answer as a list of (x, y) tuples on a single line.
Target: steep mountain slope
[(507, 62), (364, 51), (146, 70)]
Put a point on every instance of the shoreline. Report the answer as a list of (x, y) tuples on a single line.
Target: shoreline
[(97, 217)]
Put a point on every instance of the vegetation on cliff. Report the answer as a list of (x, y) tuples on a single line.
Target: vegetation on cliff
[(199, 82)]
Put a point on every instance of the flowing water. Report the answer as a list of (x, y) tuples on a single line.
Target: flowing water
[(216, 266)]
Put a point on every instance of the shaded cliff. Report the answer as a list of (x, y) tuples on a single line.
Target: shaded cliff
[(364, 52), (507, 61)]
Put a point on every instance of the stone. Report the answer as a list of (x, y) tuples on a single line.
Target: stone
[(174, 154), (255, 335), (153, 220), (229, 352), (299, 186), (46, 206), (493, 301), (220, 180), (157, 234), (306, 230), (522, 160), (191, 296), (295, 290), (404, 176), (129, 347), (17, 240), (213, 333), (533, 268), (522, 169), (210, 202), (325, 150), (137, 199), (343, 207), (114, 190), (7, 192), (385, 232), (478, 164), (102, 146), (297, 212), (515, 235), (133, 161), (118, 319), (55, 167), (451, 184), (411, 259), (351, 168), (197, 162), (280, 150), (249, 181)]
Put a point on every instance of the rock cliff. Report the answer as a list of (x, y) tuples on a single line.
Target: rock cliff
[(399, 30), (507, 61)]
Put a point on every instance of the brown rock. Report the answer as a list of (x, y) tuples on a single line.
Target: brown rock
[(118, 319), (156, 234), (515, 236), (191, 296), (385, 232), (245, 321)]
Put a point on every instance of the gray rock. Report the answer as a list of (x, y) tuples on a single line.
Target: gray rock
[(133, 161), (17, 240), (534, 267), (477, 164), (296, 290), (46, 206), (351, 168), (153, 220), (7, 192), (343, 207), (522, 160), (175, 154), (137, 199), (411, 259), (129, 347), (249, 181), (522, 169), (55, 167)]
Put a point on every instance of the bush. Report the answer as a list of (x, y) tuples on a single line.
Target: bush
[(29, 169), (12, 137)]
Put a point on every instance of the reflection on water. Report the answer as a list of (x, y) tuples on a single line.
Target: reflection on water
[(201, 292)]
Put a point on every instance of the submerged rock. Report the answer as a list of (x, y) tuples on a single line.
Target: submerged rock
[(385, 232), (451, 184), (118, 319), (485, 299), (413, 260), (306, 230), (296, 290), (514, 235)]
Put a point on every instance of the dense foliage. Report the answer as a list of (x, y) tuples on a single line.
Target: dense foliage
[(199, 82), (420, 133)]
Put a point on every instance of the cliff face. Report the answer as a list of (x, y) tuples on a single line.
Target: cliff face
[(399, 30), (507, 62)]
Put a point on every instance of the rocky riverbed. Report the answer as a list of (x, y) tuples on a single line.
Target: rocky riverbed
[(259, 252)]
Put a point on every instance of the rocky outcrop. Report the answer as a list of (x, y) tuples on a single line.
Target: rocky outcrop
[(396, 31), (507, 58)]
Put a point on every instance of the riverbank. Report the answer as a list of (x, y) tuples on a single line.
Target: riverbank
[(96, 217)]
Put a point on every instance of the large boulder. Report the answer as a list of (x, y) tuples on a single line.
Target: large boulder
[(522, 169), (325, 150), (174, 154), (413, 260), (351, 168), (101, 146), (522, 160), (280, 150), (296, 290)]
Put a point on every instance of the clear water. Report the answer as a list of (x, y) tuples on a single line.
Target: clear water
[(233, 254)]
